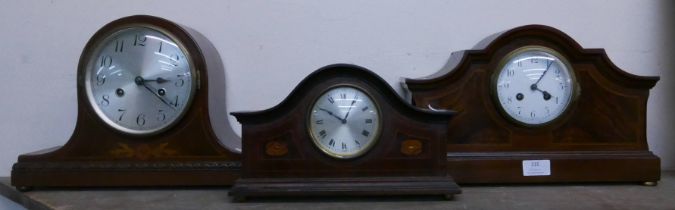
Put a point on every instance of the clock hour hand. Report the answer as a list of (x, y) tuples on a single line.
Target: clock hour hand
[(331, 114), (159, 80), (141, 81), (547, 95)]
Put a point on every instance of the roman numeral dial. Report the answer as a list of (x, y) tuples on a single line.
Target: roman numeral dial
[(344, 122)]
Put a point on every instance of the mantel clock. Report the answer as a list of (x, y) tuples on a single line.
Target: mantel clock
[(143, 119), (534, 106)]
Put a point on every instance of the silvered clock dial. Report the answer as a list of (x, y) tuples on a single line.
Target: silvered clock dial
[(140, 80), (344, 122)]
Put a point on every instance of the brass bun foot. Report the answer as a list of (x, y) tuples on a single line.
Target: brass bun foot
[(24, 188), (649, 183), (239, 199)]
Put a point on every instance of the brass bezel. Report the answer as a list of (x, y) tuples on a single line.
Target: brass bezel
[(99, 44), (576, 90), (363, 150)]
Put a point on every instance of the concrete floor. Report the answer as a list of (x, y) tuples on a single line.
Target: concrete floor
[(541, 197)]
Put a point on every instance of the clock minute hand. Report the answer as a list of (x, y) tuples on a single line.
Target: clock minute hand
[(158, 96), (534, 86), (141, 81), (350, 109), (543, 74), (331, 114)]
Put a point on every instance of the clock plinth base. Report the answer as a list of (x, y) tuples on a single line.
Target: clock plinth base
[(61, 175), (32, 170), (590, 166), (361, 186)]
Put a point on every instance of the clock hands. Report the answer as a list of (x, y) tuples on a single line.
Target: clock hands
[(546, 95), (140, 81), (350, 109), (544, 74), (331, 114), (159, 80), (534, 87)]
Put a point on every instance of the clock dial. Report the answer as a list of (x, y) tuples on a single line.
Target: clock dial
[(139, 80), (344, 122), (534, 86)]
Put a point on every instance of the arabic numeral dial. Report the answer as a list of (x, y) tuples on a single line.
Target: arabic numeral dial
[(534, 85), (138, 80)]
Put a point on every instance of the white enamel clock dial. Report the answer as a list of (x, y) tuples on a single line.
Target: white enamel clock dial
[(534, 86), (344, 122), (139, 80)]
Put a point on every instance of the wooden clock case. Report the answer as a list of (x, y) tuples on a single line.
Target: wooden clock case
[(279, 158), (189, 153), (601, 138)]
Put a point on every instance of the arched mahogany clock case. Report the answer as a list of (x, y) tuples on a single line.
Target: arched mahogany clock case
[(189, 153), (280, 158), (601, 138)]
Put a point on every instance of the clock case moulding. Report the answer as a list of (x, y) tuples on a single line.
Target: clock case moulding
[(602, 138), (187, 154), (280, 158)]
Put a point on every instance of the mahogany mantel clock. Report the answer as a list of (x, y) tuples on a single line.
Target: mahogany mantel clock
[(534, 106), (143, 118), (343, 131)]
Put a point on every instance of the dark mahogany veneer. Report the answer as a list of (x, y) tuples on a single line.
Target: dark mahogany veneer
[(601, 138), (188, 154), (300, 168)]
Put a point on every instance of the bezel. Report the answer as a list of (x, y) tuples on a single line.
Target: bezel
[(364, 149), (98, 42), (575, 92)]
